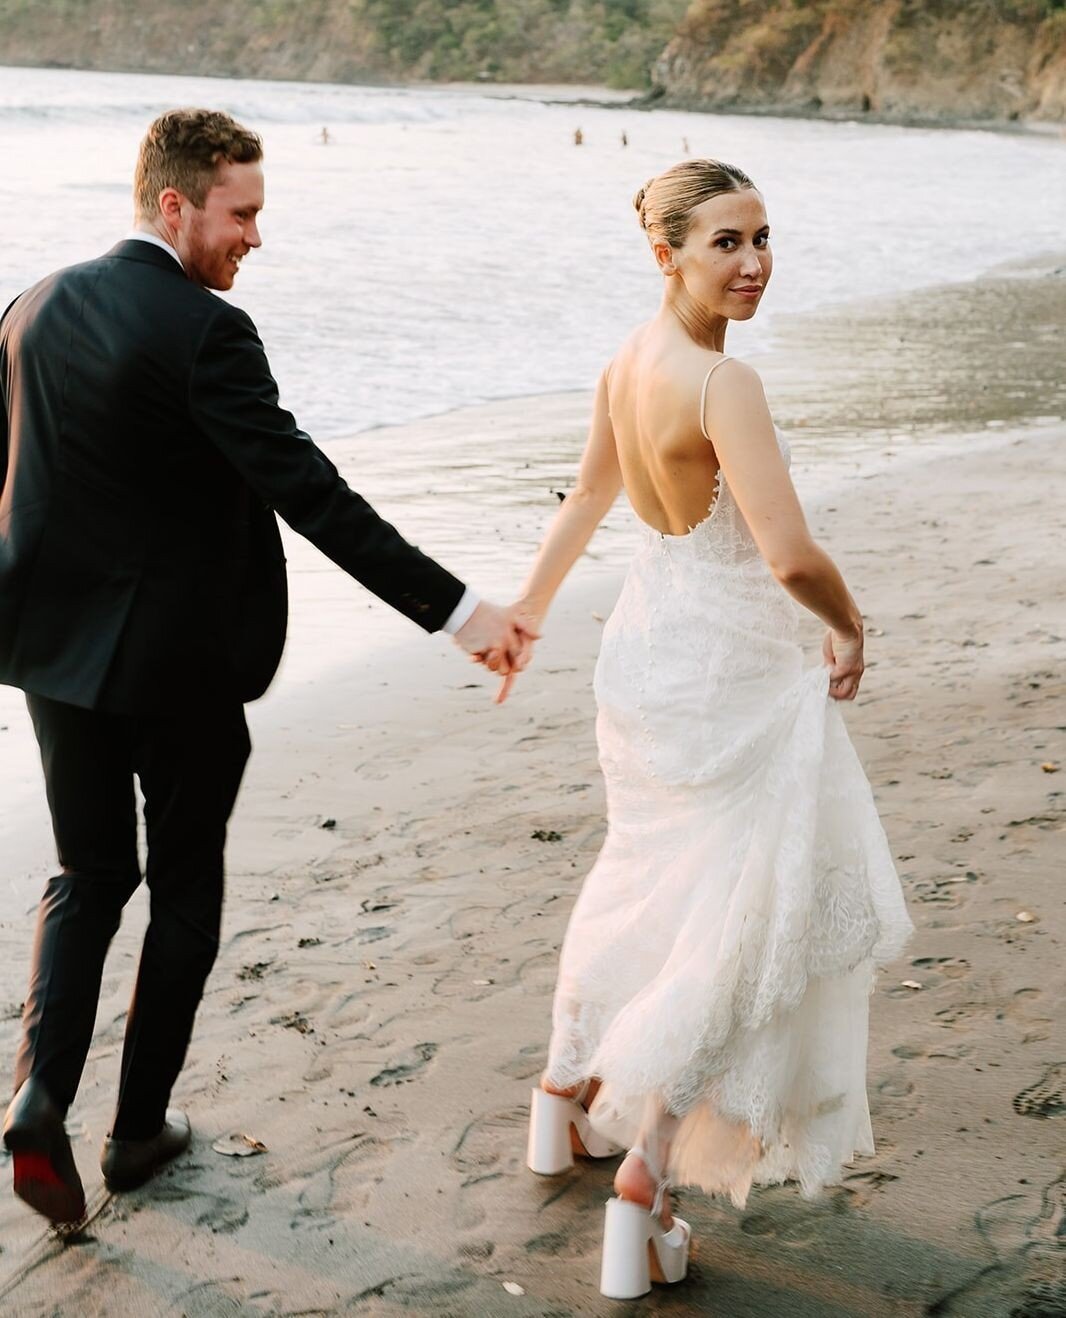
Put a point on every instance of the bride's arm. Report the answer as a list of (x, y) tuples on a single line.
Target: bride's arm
[(598, 482), (738, 422)]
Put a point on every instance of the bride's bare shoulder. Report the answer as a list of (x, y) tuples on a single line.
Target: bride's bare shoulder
[(725, 376), (675, 371), (629, 350), (720, 365)]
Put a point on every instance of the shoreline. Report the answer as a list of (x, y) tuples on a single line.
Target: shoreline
[(1020, 127), (608, 98)]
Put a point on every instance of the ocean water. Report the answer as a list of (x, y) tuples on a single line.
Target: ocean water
[(453, 246)]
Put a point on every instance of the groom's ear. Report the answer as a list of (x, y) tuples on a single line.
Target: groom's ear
[(170, 203)]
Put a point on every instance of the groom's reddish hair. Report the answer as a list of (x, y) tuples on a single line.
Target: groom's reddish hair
[(183, 149)]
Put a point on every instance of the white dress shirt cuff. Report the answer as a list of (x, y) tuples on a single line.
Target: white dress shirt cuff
[(462, 612)]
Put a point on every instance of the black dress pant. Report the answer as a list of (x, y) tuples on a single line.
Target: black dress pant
[(190, 766)]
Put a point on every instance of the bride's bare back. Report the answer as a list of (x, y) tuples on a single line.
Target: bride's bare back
[(669, 469)]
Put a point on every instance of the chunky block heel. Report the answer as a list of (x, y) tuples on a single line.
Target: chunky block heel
[(549, 1151), (625, 1273), (637, 1251), (551, 1119), (637, 1248)]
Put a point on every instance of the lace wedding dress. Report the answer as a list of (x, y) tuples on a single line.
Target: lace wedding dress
[(721, 954)]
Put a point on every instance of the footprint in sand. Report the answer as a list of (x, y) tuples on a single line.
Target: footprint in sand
[(473, 921), (933, 975), (469, 1215), (566, 1244), (1025, 1238), (955, 1052), (1045, 1098), (477, 1251), (947, 892), (408, 1066), (896, 1086), (864, 1185), (796, 1223), (942, 967), (1005, 1224), (494, 1142), (1040, 1032), (348, 1011), (526, 1063), (331, 1181), (373, 935), (1011, 1007), (210, 1299), (343, 1183), (538, 974), (223, 1215)]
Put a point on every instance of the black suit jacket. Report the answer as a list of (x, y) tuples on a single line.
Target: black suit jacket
[(143, 454)]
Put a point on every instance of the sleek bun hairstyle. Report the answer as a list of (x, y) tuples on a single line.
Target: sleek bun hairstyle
[(666, 202)]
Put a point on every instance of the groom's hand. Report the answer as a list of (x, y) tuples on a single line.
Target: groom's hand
[(491, 636)]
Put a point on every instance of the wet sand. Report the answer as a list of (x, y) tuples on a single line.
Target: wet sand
[(403, 860)]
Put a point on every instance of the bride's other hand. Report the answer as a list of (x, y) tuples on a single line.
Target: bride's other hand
[(843, 657)]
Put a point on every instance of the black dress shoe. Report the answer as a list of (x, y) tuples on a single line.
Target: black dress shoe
[(45, 1174), (129, 1163)]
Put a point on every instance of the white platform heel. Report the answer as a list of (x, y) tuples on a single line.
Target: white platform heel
[(551, 1118), (637, 1250)]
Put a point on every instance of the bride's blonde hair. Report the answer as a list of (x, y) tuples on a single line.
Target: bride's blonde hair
[(666, 202)]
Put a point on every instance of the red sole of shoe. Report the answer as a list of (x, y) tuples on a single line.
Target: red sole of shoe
[(38, 1184)]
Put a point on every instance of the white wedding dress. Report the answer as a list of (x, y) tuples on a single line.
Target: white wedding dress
[(721, 953)]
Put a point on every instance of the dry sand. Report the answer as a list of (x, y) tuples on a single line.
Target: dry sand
[(401, 866)]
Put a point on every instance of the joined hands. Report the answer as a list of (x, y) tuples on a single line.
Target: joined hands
[(501, 639)]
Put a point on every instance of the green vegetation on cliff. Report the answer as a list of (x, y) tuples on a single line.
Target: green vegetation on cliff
[(612, 41), (573, 41)]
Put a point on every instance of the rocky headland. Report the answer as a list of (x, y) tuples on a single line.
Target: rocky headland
[(952, 61)]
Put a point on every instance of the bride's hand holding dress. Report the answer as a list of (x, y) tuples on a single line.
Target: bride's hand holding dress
[(843, 657)]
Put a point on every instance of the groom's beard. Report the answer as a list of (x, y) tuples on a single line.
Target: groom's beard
[(207, 265)]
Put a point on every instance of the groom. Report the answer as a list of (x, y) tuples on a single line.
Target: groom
[(143, 456)]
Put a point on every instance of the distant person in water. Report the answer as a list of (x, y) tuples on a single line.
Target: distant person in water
[(324, 137), (143, 457)]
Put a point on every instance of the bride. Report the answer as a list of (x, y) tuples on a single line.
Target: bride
[(712, 1001)]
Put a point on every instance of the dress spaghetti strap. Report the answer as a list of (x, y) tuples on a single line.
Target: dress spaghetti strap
[(703, 395)]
